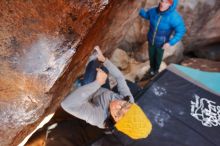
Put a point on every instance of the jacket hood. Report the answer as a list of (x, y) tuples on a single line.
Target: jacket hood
[(172, 8)]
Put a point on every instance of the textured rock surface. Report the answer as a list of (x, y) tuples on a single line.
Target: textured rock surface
[(126, 28), (211, 52), (202, 64), (120, 58), (44, 45), (142, 53), (202, 20)]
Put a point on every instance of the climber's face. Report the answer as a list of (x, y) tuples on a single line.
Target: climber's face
[(118, 108), (164, 5)]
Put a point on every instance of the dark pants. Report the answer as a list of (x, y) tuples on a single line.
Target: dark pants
[(73, 132), (90, 73), (156, 57), (90, 76)]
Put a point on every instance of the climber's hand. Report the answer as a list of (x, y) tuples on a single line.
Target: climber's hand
[(101, 76), (100, 56)]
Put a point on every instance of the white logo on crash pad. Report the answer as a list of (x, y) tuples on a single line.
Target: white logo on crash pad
[(206, 111)]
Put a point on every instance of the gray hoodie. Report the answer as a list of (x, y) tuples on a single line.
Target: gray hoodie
[(91, 102)]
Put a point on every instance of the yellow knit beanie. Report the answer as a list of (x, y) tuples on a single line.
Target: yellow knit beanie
[(134, 123)]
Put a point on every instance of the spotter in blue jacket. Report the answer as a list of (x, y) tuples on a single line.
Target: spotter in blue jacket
[(163, 25)]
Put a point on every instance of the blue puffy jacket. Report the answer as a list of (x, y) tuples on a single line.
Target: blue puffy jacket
[(163, 24)]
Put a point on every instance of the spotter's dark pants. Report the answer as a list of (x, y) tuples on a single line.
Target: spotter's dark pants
[(156, 57)]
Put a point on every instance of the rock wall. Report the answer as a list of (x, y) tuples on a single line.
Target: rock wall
[(44, 46), (202, 21), (202, 64), (125, 30)]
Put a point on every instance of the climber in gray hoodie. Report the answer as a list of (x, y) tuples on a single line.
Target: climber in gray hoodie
[(95, 104)]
